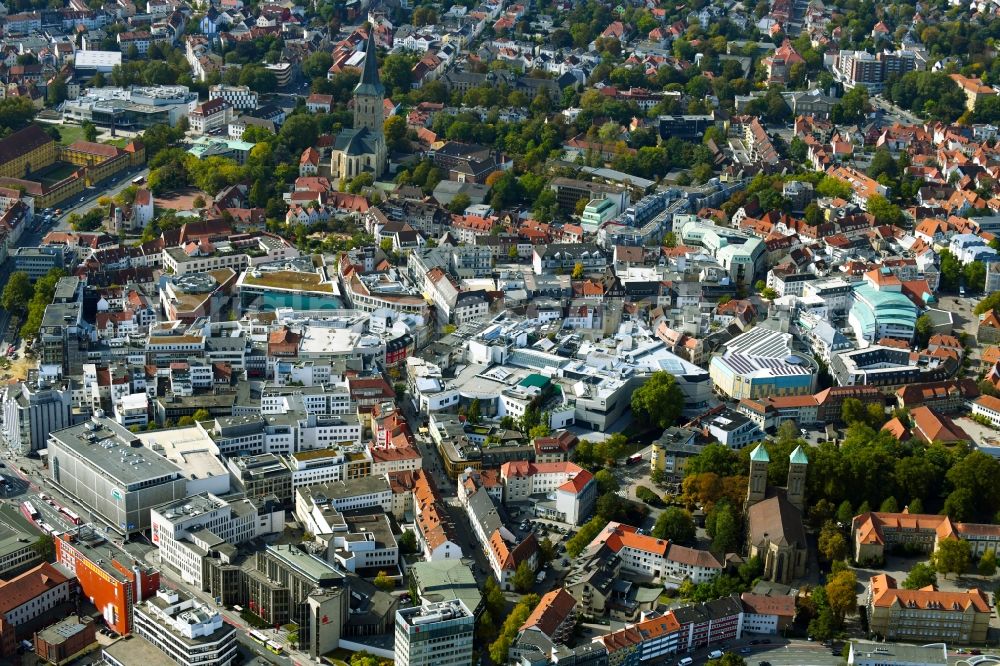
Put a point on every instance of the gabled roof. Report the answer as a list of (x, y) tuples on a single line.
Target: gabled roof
[(553, 609), (32, 583), (884, 594)]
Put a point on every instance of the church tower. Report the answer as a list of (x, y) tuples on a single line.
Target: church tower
[(757, 489), (796, 491), (369, 94)]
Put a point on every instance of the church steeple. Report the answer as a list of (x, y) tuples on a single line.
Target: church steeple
[(369, 94)]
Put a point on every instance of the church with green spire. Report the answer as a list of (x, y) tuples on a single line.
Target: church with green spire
[(362, 149)]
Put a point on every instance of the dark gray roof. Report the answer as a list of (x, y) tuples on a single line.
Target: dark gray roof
[(356, 141), (370, 83), (484, 511)]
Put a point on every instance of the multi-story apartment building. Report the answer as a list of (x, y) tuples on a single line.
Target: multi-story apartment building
[(188, 631), (240, 97), (213, 115), (860, 68), (435, 634), (573, 487), (25, 151), (987, 407)]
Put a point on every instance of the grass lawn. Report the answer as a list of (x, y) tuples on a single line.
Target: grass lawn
[(56, 172), (70, 133)]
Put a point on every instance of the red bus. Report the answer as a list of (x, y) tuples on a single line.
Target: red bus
[(634, 460), (75, 519)]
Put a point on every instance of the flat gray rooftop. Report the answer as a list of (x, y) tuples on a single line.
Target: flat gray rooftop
[(114, 451)]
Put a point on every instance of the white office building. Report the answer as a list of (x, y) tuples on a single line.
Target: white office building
[(189, 632), (435, 634), (31, 411), (186, 530)]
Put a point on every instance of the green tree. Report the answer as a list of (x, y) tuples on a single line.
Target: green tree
[(670, 239), (89, 130), (546, 550), (951, 270), (501, 646), (202, 415), (45, 547), (394, 129), (845, 513), (460, 203), (952, 556), (727, 659), (185, 421), (991, 302), (974, 273), (921, 575), (15, 113), (987, 564), (486, 630), (56, 93), (659, 401), (317, 64), (473, 414), (834, 187), (832, 545), (882, 163), (853, 411), (580, 540), (841, 594), (889, 505), (494, 599), (577, 271), (924, 330), (726, 530), (884, 211), (714, 458), (813, 215), (17, 292), (523, 577), (675, 524), (606, 481), (299, 132), (407, 542), (384, 582)]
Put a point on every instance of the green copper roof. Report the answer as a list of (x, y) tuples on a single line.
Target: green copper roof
[(759, 454), (798, 457), (370, 83)]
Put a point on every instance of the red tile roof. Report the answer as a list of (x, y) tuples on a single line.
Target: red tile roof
[(553, 609), (32, 583)]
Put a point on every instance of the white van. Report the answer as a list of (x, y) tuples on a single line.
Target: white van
[(686, 661), (715, 654)]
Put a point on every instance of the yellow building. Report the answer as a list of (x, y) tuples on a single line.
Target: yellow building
[(30, 150), (26, 151), (928, 614)]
